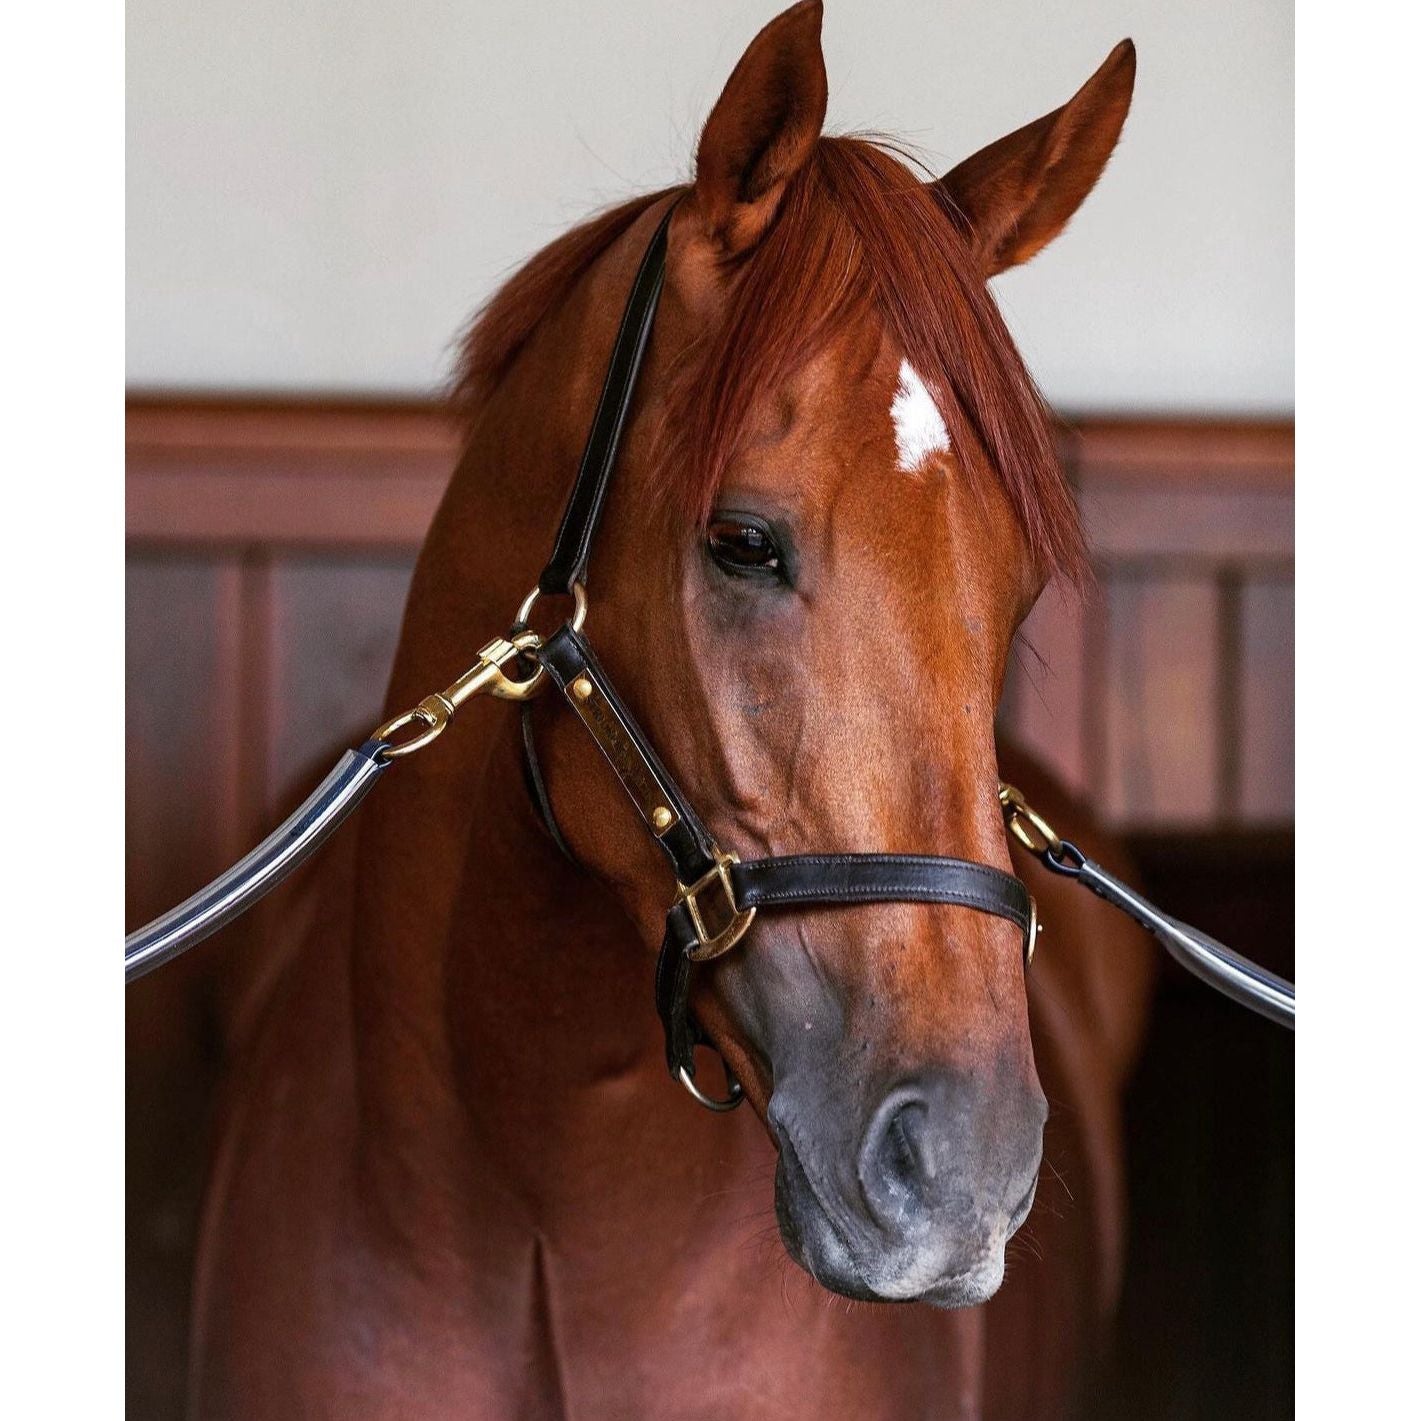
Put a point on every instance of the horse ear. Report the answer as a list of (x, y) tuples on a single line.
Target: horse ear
[(1017, 193), (762, 129)]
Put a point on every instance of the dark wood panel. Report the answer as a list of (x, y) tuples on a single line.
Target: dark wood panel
[(1193, 454), (414, 435), (182, 672), (1213, 524), (1046, 700), (1265, 720), (335, 623), (303, 508), (286, 473), (182, 821), (1159, 692)]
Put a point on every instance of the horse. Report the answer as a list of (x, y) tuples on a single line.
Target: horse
[(451, 1175)]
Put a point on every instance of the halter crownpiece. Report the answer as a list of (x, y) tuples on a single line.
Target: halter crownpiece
[(717, 897)]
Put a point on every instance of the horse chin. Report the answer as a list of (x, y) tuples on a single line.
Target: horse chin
[(925, 1272)]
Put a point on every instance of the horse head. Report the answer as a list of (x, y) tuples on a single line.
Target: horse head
[(837, 499)]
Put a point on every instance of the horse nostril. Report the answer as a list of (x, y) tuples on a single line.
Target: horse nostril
[(904, 1158), (897, 1162)]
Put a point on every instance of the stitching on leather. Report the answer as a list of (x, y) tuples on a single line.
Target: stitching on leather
[(871, 894), (787, 863)]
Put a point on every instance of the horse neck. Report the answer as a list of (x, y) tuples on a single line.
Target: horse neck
[(505, 1033)]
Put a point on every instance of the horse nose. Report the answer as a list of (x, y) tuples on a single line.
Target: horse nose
[(918, 1156)]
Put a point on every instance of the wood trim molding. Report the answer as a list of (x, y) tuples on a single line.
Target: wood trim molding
[(326, 473), (285, 473), (1236, 453)]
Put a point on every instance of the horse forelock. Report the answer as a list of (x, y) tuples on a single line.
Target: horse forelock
[(859, 236)]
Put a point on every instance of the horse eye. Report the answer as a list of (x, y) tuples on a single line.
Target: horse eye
[(741, 544)]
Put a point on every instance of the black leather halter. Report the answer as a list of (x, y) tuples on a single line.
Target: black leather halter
[(717, 896)]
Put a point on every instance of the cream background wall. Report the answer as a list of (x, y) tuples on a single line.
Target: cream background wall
[(320, 193)]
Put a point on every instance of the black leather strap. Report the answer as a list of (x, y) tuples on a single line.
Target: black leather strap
[(790, 881), (686, 841), (573, 544), (817, 880), (536, 785)]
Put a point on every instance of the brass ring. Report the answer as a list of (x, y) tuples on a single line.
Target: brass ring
[(1016, 809), (579, 606), (1033, 931)]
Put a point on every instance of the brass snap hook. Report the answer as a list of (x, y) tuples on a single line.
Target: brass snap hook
[(485, 677)]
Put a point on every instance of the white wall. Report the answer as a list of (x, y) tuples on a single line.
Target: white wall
[(320, 193)]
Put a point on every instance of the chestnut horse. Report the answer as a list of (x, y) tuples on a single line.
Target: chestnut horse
[(453, 1177)]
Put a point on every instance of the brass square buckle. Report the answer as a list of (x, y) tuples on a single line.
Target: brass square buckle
[(712, 944)]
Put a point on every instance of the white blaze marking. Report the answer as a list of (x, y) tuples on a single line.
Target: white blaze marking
[(917, 425)]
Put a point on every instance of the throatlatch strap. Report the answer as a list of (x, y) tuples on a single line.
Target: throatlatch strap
[(573, 545), (814, 880)]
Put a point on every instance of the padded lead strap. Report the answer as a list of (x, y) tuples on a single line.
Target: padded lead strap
[(1238, 978), (573, 545)]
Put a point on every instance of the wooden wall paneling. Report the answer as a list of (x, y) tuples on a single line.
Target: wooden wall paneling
[(1212, 523), (309, 509), (1159, 700), (286, 473), (279, 485), (182, 765), (181, 678), (1265, 784), (335, 624), (1186, 453), (1046, 699)]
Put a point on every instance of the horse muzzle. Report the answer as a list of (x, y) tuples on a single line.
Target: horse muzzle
[(920, 1206)]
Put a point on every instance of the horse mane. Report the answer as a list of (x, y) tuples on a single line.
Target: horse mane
[(858, 233)]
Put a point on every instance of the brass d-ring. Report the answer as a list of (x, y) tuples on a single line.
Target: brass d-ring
[(1033, 931), (579, 606), (1022, 819)]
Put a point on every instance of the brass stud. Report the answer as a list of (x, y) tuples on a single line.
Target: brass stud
[(661, 819), (582, 688)]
